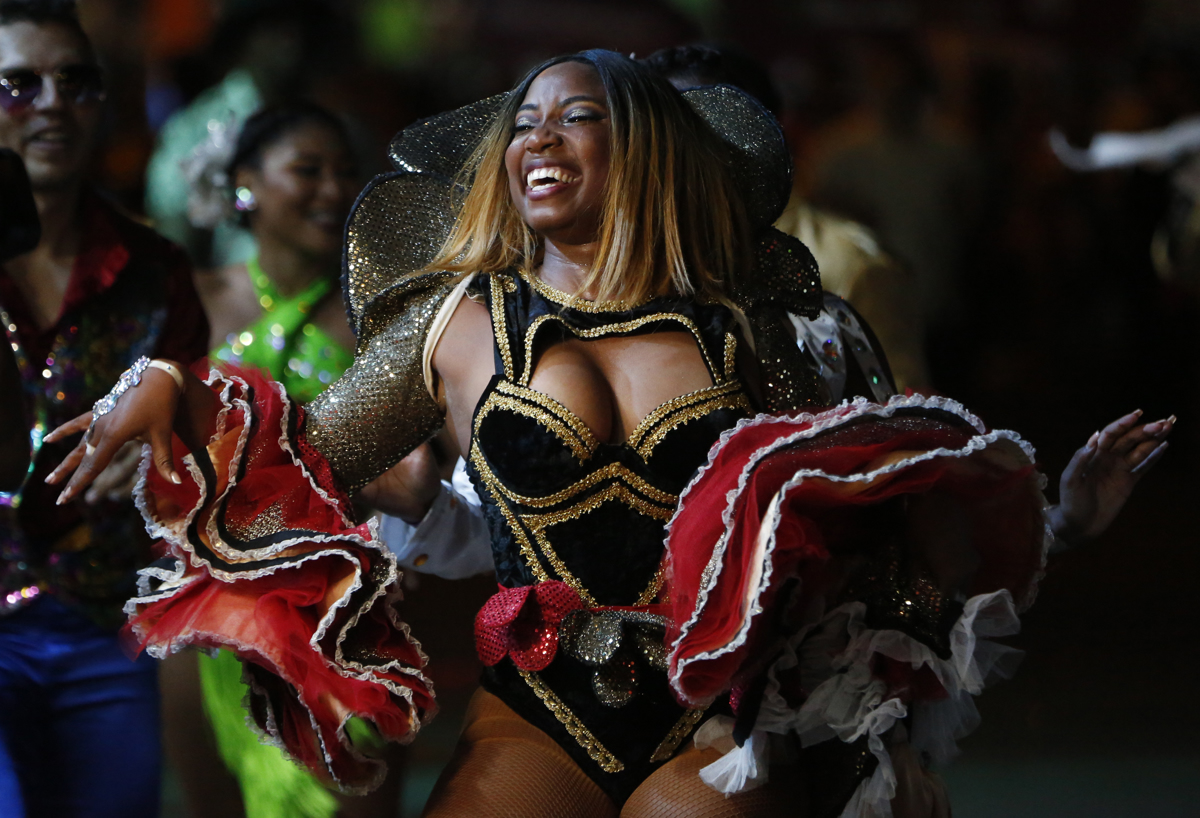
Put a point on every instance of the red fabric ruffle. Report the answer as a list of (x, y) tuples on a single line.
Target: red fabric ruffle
[(274, 569), (831, 471)]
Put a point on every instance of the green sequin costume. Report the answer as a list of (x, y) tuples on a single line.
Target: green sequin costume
[(301, 356), (285, 342)]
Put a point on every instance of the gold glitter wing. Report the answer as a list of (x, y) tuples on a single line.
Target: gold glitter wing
[(380, 409), (761, 163)]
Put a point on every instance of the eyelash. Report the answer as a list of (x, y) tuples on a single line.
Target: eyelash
[(521, 127)]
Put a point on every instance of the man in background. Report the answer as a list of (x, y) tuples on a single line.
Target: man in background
[(78, 719)]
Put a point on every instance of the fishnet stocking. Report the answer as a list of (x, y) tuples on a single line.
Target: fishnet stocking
[(675, 790), (504, 767)]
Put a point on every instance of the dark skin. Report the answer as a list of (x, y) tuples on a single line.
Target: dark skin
[(304, 186)]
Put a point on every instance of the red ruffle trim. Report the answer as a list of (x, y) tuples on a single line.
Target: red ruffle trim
[(725, 576), (273, 570)]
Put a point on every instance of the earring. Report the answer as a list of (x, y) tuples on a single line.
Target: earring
[(243, 200)]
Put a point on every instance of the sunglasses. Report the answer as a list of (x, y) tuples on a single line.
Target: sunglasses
[(20, 88)]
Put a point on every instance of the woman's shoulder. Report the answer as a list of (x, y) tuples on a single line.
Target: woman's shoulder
[(227, 289)]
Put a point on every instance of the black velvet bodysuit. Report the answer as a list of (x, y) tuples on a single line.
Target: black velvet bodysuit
[(561, 505)]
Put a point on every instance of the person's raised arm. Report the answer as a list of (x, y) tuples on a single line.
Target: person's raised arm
[(1101, 476)]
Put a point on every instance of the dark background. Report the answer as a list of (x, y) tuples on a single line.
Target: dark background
[(1055, 321)]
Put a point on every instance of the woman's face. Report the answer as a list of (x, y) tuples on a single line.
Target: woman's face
[(557, 161), (304, 187)]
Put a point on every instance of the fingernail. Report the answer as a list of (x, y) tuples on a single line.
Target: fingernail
[(62, 498), (176, 479), (1137, 413), (1172, 419)]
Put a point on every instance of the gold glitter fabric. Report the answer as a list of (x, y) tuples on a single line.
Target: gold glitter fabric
[(761, 164), (784, 279), (443, 143), (380, 409), (396, 228)]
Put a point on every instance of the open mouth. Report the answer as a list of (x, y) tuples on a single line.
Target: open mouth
[(548, 179)]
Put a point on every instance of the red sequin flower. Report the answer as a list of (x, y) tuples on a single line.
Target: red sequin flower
[(523, 623)]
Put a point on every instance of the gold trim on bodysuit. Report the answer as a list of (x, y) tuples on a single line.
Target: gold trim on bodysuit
[(617, 491), (730, 356), (565, 299), (611, 329), (496, 401), (727, 394), (630, 489), (679, 732), (499, 329), (518, 523), (497, 490), (597, 751), (564, 415)]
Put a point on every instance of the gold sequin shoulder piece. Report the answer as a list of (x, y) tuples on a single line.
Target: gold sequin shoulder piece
[(380, 409)]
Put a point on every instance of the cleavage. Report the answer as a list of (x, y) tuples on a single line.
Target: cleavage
[(611, 384)]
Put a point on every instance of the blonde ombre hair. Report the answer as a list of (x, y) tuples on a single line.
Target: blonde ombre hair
[(672, 220)]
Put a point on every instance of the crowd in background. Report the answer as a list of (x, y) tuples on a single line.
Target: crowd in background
[(926, 121)]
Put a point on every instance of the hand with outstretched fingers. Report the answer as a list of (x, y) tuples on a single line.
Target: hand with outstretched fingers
[(1101, 476), (148, 413)]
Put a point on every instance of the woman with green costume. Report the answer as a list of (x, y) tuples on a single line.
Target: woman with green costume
[(293, 182)]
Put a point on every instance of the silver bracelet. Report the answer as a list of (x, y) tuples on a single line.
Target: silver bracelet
[(129, 378)]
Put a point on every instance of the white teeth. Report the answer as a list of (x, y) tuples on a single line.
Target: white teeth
[(551, 173)]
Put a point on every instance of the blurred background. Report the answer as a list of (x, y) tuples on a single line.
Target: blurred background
[(1052, 300)]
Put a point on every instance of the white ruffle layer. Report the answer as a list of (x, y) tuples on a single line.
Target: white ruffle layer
[(834, 657)]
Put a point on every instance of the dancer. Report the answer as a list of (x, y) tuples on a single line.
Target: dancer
[(632, 297), (78, 720)]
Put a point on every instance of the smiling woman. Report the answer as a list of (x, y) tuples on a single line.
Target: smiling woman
[(293, 181), (586, 153), (703, 575)]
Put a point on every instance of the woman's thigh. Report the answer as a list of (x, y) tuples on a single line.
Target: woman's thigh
[(675, 790), (504, 767)]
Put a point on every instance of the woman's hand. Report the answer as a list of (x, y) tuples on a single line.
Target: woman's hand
[(408, 489), (1101, 475), (149, 413)]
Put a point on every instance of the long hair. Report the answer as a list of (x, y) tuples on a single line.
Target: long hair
[(672, 221)]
